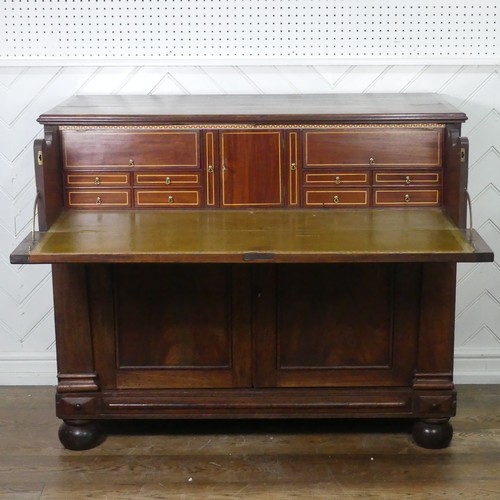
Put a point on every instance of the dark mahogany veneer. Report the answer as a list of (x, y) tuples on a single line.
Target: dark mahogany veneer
[(253, 257)]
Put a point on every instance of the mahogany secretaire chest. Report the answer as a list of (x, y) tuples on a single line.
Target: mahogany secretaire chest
[(269, 256)]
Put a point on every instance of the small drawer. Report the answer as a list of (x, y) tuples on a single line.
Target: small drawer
[(166, 179), (96, 199), (419, 147), (336, 197), (94, 179), (407, 198), (130, 148), (336, 178), (406, 178), (166, 198), (428, 404)]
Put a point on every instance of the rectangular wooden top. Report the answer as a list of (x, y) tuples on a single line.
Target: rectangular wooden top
[(421, 235), (282, 108)]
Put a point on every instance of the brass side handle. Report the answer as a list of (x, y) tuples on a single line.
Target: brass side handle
[(336, 199), (168, 180), (97, 181), (39, 158), (408, 179), (407, 198), (98, 201), (170, 199), (337, 180)]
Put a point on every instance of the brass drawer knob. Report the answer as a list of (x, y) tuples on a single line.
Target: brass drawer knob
[(97, 181), (293, 166), (168, 180), (372, 161), (170, 199), (337, 179), (98, 200), (210, 169), (336, 199), (407, 198), (408, 179), (131, 163)]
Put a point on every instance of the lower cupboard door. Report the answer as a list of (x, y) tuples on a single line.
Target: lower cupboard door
[(338, 325), (171, 326)]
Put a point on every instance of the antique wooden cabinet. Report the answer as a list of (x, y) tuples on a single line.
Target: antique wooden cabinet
[(253, 257)]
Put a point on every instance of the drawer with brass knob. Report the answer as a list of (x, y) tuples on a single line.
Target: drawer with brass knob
[(130, 148), (336, 198), (406, 198), (164, 198), (158, 179), (378, 145), (98, 199), (93, 179), (407, 178), (336, 178)]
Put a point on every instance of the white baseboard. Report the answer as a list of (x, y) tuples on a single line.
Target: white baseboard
[(477, 366), (28, 368), (472, 366)]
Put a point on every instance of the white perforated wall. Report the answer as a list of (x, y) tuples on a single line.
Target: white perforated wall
[(249, 30)]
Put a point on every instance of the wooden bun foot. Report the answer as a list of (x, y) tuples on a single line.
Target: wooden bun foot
[(80, 434), (433, 434)]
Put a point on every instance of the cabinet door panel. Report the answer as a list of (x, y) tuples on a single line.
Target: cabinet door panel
[(181, 326), (341, 325), (252, 171)]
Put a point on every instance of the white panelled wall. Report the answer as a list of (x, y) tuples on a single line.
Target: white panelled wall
[(27, 352)]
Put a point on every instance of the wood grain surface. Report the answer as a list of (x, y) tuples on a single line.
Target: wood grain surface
[(241, 459)]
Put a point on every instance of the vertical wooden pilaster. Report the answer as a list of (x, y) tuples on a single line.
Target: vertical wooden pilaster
[(75, 361)]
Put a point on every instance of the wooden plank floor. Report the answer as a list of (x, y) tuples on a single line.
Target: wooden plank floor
[(259, 459)]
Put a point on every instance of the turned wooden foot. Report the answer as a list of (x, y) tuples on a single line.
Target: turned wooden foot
[(433, 433), (80, 434)]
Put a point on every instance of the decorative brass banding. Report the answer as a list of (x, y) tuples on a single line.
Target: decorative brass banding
[(243, 126)]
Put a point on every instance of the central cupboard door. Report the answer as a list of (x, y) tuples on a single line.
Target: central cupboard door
[(251, 168), (336, 325)]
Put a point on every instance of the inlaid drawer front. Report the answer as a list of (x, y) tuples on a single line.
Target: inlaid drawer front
[(98, 199), (406, 178), (408, 197), (93, 179), (336, 198), (167, 198), (166, 179), (336, 178), (130, 148), (373, 146)]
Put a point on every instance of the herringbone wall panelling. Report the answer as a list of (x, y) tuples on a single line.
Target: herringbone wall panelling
[(26, 325)]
